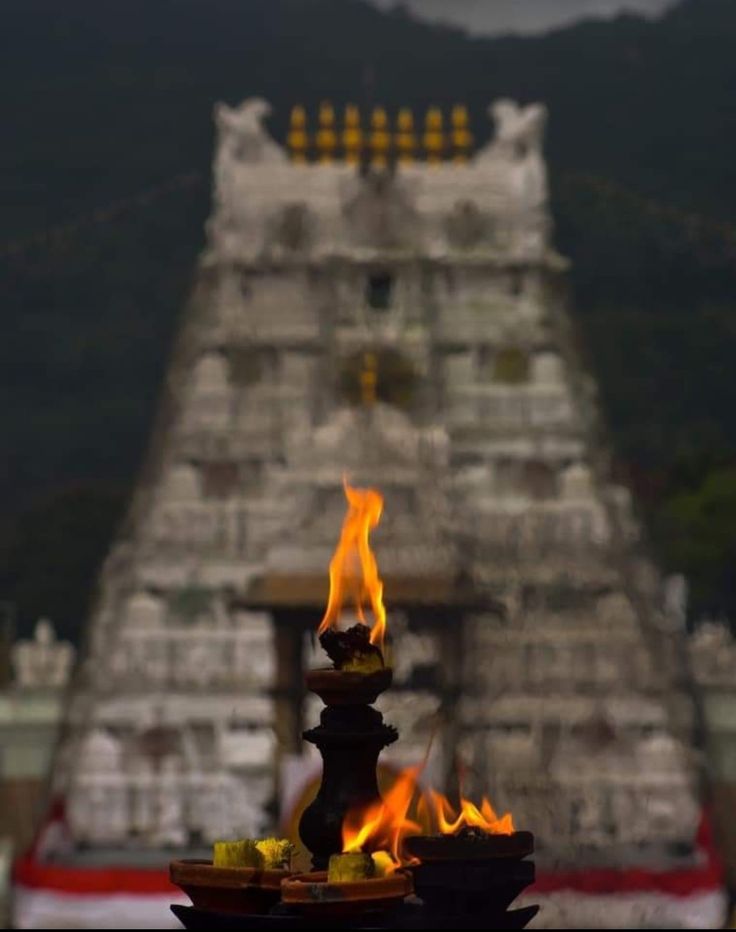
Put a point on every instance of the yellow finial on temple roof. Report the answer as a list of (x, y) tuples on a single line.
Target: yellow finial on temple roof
[(352, 135), (297, 138), (404, 138), (380, 137), (405, 120), (326, 138), (462, 138), (369, 380), (434, 139)]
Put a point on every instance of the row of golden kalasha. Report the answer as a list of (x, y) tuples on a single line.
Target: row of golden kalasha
[(382, 138), (373, 836)]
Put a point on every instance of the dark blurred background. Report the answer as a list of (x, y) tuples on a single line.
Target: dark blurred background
[(105, 174)]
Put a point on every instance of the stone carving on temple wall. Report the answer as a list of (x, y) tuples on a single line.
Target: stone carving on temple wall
[(466, 226), (210, 394), (660, 753), (602, 786), (291, 230), (356, 438), (547, 369), (198, 648), (380, 212), (675, 593), (212, 809), (210, 374), (247, 747), (713, 652), (518, 749), (304, 502), (181, 484), (98, 805), (618, 500), (615, 610), (144, 611), (163, 802), (255, 653), (101, 753), (99, 811), (182, 521), (223, 805), (42, 662), (248, 804)]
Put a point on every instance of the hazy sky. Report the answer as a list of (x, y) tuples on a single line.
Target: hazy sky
[(493, 16)]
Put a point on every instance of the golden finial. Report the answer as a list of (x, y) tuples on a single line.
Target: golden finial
[(380, 137), (434, 140), (369, 380), (326, 136), (404, 139), (352, 135), (297, 139), (462, 138)]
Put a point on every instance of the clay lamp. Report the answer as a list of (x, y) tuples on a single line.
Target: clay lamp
[(354, 884), (244, 877)]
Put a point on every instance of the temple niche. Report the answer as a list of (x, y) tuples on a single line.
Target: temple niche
[(398, 322)]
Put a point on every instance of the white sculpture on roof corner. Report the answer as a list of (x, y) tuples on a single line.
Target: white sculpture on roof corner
[(519, 130), (242, 139), (519, 138), (42, 662), (242, 135)]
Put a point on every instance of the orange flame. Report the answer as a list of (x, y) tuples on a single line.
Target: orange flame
[(383, 825), (485, 818), (353, 568)]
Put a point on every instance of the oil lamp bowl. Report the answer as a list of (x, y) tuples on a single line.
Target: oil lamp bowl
[(473, 874), (313, 896), (470, 846), (243, 890), (348, 687)]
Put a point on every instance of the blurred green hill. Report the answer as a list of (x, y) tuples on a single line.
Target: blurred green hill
[(104, 177)]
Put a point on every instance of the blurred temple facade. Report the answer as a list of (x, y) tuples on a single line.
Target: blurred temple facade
[(380, 302)]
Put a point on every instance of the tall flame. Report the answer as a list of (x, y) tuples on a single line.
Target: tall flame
[(383, 825), (353, 568), (450, 821)]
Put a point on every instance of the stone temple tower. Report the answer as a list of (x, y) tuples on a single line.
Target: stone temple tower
[(387, 306)]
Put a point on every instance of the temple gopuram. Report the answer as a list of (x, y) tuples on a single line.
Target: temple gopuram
[(380, 299)]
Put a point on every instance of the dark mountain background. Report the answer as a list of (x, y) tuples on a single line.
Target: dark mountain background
[(104, 176)]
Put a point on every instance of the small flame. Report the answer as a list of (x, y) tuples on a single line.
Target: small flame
[(353, 568), (383, 825), (449, 821)]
